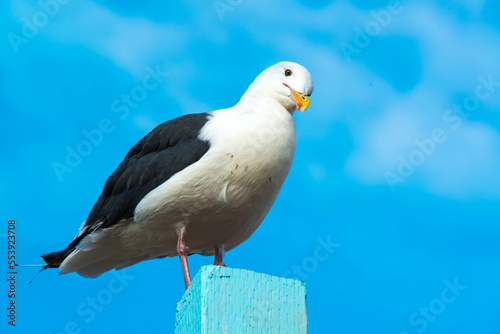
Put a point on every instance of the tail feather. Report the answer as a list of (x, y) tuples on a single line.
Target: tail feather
[(94, 262), (54, 259), (96, 251)]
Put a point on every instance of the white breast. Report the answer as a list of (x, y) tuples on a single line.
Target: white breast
[(222, 198)]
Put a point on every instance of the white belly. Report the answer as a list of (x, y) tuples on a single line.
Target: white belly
[(223, 198)]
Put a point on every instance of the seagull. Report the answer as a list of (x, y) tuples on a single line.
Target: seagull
[(197, 184)]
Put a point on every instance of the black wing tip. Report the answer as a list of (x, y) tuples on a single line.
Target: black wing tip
[(54, 259)]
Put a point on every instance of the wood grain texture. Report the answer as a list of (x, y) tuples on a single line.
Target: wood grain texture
[(228, 300)]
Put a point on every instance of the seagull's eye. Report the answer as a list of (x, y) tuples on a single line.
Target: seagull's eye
[(288, 72)]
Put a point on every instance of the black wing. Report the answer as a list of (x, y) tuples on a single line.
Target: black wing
[(168, 149)]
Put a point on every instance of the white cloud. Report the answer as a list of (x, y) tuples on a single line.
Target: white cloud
[(467, 165), (455, 54), (132, 43), (380, 144)]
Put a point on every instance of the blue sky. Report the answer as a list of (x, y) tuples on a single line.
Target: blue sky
[(395, 174)]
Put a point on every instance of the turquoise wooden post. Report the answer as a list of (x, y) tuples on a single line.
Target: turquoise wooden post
[(228, 300)]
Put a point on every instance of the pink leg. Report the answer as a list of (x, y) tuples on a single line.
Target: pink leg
[(183, 252), (219, 254)]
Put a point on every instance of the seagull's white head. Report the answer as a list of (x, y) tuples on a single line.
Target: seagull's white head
[(290, 84)]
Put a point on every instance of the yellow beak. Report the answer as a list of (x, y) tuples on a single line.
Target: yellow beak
[(301, 100)]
